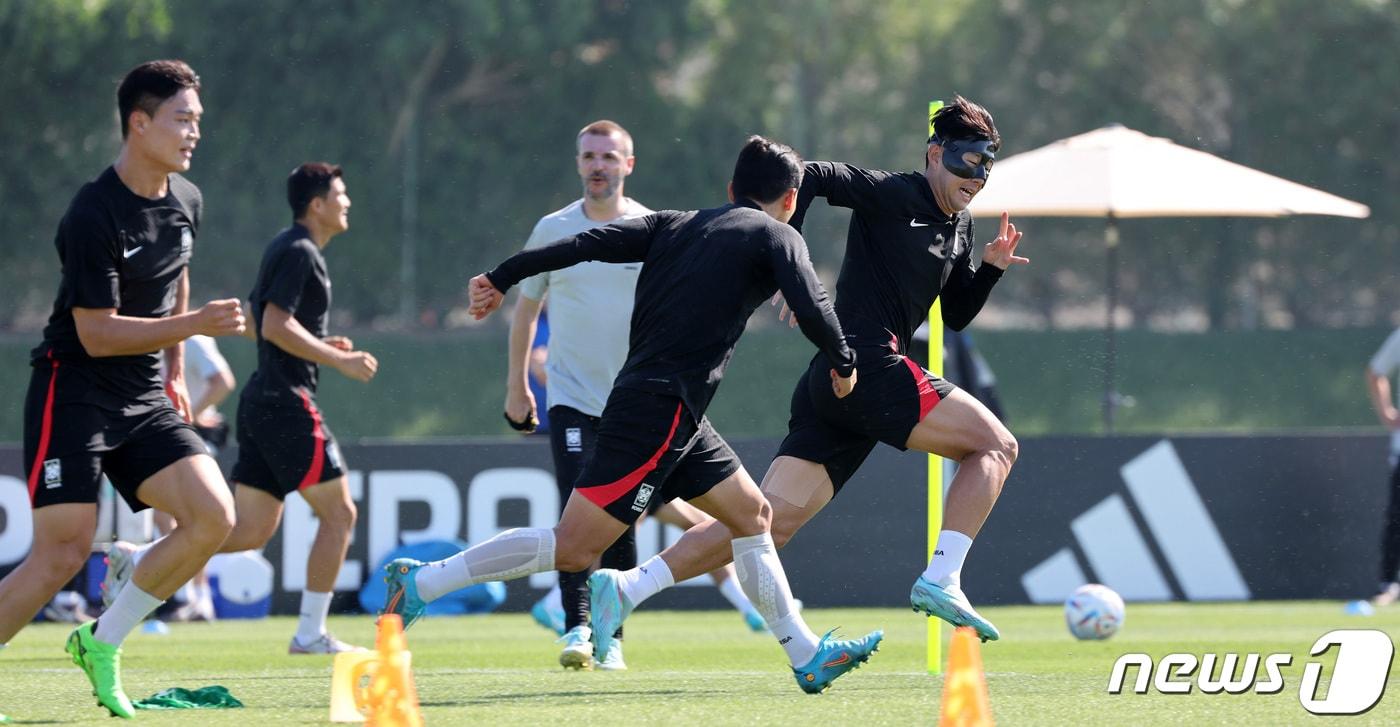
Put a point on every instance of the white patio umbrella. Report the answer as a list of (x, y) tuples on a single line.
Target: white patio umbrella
[(1115, 172)]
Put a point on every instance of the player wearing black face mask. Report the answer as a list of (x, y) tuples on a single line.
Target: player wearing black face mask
[(910, 242)]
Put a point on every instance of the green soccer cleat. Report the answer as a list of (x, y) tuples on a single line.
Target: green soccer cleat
[(403, 590), (834, 658), (102, 663), (609, 608), (949, 604), (578, 652)]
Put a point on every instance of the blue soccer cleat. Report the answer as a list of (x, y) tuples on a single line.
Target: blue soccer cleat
[(755, 621), (403, 590), (834, 658), (547, 617), (609, 608), (949, 604)]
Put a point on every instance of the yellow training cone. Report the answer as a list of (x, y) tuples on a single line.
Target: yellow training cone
[(349, 669), (965, 700)]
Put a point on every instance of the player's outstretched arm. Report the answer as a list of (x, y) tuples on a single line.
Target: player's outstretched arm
[(621, 242), (283, 330)]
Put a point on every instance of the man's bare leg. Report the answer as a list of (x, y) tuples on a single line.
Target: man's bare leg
[(335, 511), (62, 542), (962, 429), (192, 490), (796, 490)]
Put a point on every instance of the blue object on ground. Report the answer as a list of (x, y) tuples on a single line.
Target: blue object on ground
[(481, 598), (1360, 608)]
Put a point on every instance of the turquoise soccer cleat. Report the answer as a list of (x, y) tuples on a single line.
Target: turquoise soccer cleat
[(613, 660), (550, 619), (949, 604), (403, 590), (609, 608), (834, 658), (754, 620)]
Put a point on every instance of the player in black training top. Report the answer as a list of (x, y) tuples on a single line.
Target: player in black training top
[(284, 445), (705, 272), (96, 403), (910, 241)]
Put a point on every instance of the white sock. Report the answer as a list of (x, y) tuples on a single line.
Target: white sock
[(646, 580), (554, 600), (946, 567), (312, 624), (515, 553), (131, 606), (729, 588), (764, 582)]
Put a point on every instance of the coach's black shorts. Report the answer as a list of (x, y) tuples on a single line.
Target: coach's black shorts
[(283, 444), (572, 438), (70, 441), (892, 395), (649, 448)]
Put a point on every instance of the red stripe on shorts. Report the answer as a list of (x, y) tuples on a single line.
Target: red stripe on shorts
[(45, 429), (318, 435), (928, 397), (604, 495)]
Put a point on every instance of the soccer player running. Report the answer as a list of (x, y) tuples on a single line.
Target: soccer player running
[(284, 445), (705, 273), (590, 306), (910, 241), (97, 404)]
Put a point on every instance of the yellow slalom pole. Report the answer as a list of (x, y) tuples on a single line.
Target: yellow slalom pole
[(935, 463)]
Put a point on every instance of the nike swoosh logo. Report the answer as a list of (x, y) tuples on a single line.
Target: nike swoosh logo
[(843, 659), (916, 223), (132, 251)]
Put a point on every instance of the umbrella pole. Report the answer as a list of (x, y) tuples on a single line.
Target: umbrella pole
[(1110, 395)]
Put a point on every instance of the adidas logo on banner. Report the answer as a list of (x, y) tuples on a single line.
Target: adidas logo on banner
[(1119, 555)]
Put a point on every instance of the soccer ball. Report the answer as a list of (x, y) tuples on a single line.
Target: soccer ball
[(1094, 612)]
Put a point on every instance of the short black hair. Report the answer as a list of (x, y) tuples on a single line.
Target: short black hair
[(963, 119), (148, 85), (766, 170), (307, 182)]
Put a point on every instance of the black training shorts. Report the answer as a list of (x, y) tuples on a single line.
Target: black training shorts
[(650, 448), (892, 395), (283, 444), (70, 440)]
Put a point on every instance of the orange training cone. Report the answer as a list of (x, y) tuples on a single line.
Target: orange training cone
[(965, 700), (391, 698)]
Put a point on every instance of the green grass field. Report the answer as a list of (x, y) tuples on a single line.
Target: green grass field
[(704, 668)]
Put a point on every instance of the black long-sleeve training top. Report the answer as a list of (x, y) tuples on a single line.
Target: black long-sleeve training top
[(704, 274), (902, 252)]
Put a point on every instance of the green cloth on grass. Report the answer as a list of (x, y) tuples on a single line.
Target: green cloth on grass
[(215, 697)]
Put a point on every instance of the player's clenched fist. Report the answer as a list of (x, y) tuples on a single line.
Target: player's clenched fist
[(483, 296), (358, 365), (221, 318)]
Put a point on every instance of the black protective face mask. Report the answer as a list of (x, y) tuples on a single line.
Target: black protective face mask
[(955, 149)]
